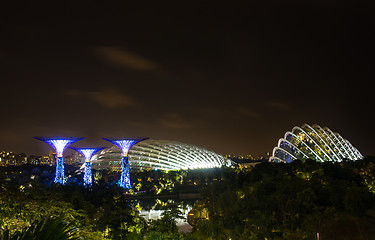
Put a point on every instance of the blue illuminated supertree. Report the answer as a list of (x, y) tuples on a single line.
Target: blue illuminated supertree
[(125, 145), (59, 144), (87, 153)]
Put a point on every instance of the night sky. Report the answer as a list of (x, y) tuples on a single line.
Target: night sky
[(231, 78)]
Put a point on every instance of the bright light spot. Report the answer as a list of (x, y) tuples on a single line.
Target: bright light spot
[(124, 145), (87, 152), (59, 145)]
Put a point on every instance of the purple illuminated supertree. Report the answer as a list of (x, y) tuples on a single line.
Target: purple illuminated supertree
[(59, 144), (87, 153), (125, 145)]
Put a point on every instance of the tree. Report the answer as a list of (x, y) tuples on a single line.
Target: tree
[(45, 229), (165, 227)]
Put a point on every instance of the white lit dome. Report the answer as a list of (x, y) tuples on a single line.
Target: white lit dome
[(160, 154), (313, 142)]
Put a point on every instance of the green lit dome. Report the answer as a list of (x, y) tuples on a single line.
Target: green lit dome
[(313, 142)]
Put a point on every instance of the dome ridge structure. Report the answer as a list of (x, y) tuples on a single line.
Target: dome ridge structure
[(313, 142), (161, 154)]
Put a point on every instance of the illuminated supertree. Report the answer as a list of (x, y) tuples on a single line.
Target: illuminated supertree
[(125, 145), (87, 153), (59, 144)]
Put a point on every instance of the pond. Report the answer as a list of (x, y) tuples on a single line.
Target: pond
[(153, 209)]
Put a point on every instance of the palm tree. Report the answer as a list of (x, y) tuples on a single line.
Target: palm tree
[(44, 229)]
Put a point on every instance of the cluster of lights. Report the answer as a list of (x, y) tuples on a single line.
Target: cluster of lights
[(59, 144), (87, 177), (59, 175), (87, 153), (125, 145), (156, 154)]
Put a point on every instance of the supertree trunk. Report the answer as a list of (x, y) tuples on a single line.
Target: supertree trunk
[(59, 175), (125, 174), (87, 178)]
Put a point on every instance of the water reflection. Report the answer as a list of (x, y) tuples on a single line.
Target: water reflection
[(154, 209)]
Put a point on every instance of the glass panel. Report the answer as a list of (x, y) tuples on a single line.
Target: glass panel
[(292, 150), (301, 146), (311, 143), (283, 155), (322, 146), (342, 149), (323, 134)]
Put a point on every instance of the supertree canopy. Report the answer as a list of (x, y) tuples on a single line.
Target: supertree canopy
[(125, 145), (59, 144), (87, 153)]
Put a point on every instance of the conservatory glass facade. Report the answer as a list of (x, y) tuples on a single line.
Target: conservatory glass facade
[(160, 154), (313, 142)]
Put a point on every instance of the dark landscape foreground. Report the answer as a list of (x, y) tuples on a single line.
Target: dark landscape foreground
[(300, 200)]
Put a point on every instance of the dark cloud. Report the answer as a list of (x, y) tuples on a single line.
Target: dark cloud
[(122, 58), (242, 111), (233, 77), (279, 105), (174, 120), (110, 98)]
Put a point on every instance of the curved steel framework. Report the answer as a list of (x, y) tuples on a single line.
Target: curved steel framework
[(87, 153), (59, 144), (313, 142), (163, 155), (125, 145)]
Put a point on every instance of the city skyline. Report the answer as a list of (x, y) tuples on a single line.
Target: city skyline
[(230, 78)]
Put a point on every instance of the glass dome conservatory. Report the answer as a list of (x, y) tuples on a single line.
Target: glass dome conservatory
[(313, 142), (160, 154)]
